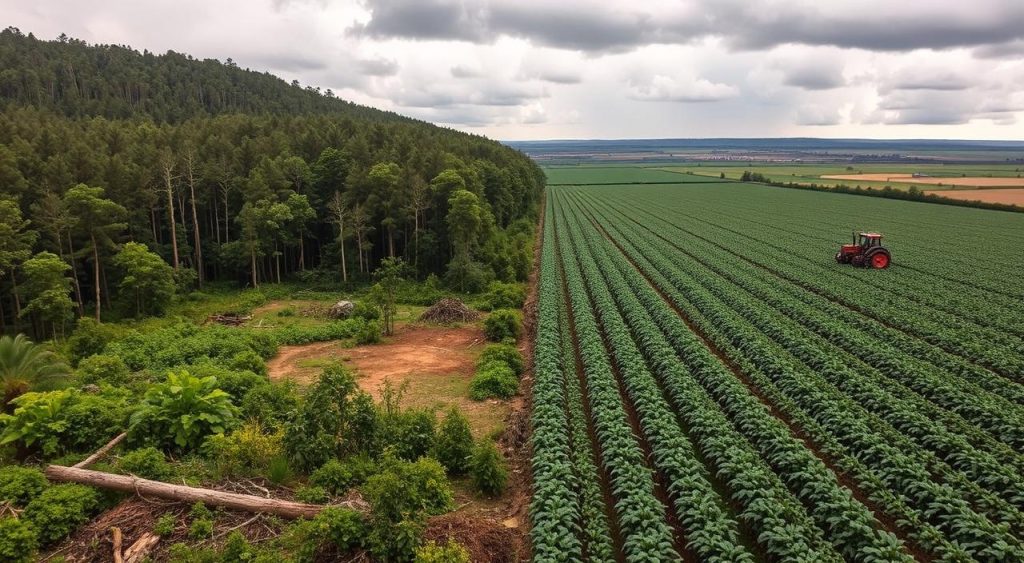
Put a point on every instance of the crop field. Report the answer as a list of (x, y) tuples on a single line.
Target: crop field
[(712, 386), (570, 175)]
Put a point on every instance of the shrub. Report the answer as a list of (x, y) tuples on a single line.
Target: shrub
[(454, 443), (450, 552), (18, 541), (504, 296), (369, 333), (337, 477), (323, 428), (90, 338), (237, 548), (342, 527), (103, 368), (59, 510), (271, 405), (19, 485), (502, 324), (488, 470), (363, 311), (503, 353), (312, 495), (235, 383), (496, 380), (395, 542), (92, 420), (181, 412), (286, 312), (410, 433), (403, 488), (279, 471), (202, 522), (38, 422), (165, 525), (148, 463), (245, 452), (248, 360)]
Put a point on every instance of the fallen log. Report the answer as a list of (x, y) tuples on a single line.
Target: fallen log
[(101, 452), (130, 484), (116, 532), (139, 550)]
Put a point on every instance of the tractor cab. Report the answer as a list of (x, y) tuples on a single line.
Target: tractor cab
[(866, 250)]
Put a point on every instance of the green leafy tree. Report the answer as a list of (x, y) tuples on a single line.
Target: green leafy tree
[(454, 444), (385, 196), (302, 214), (99, 220), (465, 224), (15, 243), (384, 293), (146, 277), (48, 290), (25, 366), (262, 226)]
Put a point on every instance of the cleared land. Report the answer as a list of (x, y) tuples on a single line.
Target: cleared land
[(719, 388), (1005, 195), (969, 181)]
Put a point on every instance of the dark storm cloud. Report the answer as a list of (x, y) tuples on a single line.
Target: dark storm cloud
[(819, 76), (1010, 49), (611, 26)]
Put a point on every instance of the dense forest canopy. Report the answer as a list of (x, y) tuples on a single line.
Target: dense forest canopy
[(227, 174)]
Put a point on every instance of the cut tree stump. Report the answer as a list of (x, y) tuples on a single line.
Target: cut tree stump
[(141, 548), (130, 484)]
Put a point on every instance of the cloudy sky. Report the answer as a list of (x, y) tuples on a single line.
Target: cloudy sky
[(531, 69)]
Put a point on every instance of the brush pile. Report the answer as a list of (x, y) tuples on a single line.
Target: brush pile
[(448, 311)]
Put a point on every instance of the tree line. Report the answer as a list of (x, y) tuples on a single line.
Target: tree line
[(103, 213)]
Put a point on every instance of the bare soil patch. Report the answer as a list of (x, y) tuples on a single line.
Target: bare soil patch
[(970, 181), (1008, 196)]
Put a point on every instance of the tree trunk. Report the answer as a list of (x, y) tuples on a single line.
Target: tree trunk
[(96, 273), (302, 255), (391, 241), (341, 242), (170, 211), (252, 254), (74, 277), (17, 298), (227, 215), (195, 224), (181, 493), (277, 264)]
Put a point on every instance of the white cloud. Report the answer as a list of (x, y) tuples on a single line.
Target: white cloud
[(661, 88)]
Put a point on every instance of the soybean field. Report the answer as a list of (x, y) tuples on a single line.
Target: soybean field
[(712, 386)]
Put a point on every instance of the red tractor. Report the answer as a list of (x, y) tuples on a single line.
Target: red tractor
[(866, 251)]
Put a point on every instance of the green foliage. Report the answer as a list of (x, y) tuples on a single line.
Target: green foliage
[(201, 526), (506, 354), (369, 333), (18, 541), (19, 485), (181, 412), (47, 289), (38, 422), (454, 444), (247, 451), (396, 542), (148, 463), (248, 360), (326, 426), (237, 548), (450, 552), (292, 335), (495, 380), (337, 477), (409, 434), (279, 471), (488, 470), (502, 324), (383, 295), (26, 366), (312, 494), (59, 510), (90, 338), (235, 382), (272, 404), (404, 488), (146, 279), (93, 419), (185, 343), (165, 525), (103, 368), (501, 295), (363, 310), (343, 528), (286, 312)]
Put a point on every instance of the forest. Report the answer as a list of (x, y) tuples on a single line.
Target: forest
[(127, 178)]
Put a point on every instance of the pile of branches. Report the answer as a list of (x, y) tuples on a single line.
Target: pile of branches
[(448, 310), (228, 319)]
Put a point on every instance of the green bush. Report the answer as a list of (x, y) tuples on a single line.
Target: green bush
[(395, 542), (450, 552), (495, 381), (148, 463), (90, 338), (279, 471), (502, 324), (487, 468), (454, 444), (369, 333), (103, 368), (181, 412), (247, 451), (271, 405), (312, 494), (93, 420), (202, 522), (165, 525), (59, 510), (326, 425), (186, 343), (344, 528), (38, 422), (337, 477), (335, 330), (503, 353), (286, 312), (237, 548), (18, 541), (504, 296), (233, 381), (248, 360), (362, 310), (410, 433), (19, 485), (402, 488)]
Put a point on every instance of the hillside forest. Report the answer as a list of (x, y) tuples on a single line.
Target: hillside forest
[(127, 178)]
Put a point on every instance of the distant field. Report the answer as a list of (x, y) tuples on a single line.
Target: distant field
[(580, 175), (958, 181), (812, 173), (1013, 196)]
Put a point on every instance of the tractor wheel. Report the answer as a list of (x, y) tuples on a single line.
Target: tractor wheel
[(858, 260), (879, 260), (839, 257)]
